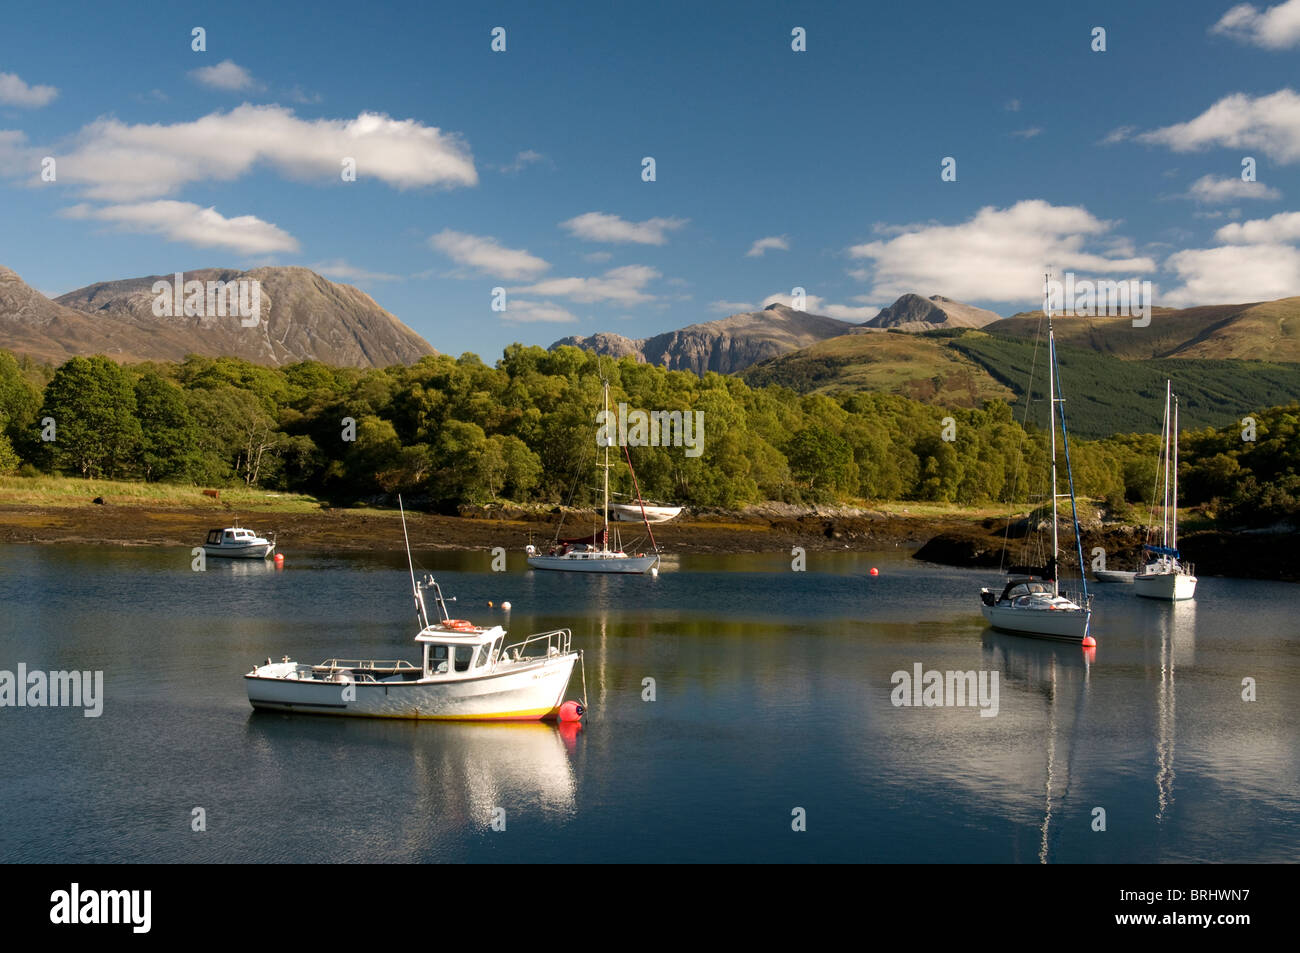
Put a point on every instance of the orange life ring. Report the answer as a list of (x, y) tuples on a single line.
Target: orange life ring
[(458, 624)]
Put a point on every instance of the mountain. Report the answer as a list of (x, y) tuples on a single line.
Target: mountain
[(304, 317), (911, 312), (725, 346), (1113, 373)]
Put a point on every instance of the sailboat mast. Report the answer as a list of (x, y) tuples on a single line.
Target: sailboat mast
[(1173, 515), (1164, 512), (1051, 417), (605, 538)]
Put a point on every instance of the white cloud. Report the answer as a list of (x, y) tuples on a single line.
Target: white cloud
[(731, 307), (1215, 191), (1027, 133), (15, 92), (849, 313), (1274, 28), (624, 285), (522, 161), (1283, 227), (815, 304), (602, 227), (1012, 106), (999, 255), (121, 162), (521, 311), (1269, 124), (226, 75), (1118, 134), (341, 270), (772, 242), (486, 255), (192, 224), (1233, 273)]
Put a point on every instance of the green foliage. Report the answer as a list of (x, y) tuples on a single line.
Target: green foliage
[(454, 430)]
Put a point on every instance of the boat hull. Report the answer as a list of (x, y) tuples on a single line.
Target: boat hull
[(1061, 624), (530, 691), (256, 551), (1113, 575), (631, 513), (1166, 586), (630, 564)]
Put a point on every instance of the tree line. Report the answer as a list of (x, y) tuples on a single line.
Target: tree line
[(452, 431)]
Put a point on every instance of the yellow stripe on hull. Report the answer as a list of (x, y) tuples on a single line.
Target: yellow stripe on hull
[(532, 714)]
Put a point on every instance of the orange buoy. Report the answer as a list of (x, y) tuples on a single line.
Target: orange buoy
[(571, 711), (279, 559), (875, 571), (1089, 641)]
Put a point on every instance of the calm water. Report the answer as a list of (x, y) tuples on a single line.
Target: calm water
[(772, 692)]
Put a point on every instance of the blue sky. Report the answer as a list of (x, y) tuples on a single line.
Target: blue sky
[(522, 169)]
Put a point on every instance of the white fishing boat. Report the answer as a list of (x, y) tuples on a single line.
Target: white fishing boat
[(596, 554), (649, 512), (466, 672), (235, 542), (1031, 602), (1164, 576)]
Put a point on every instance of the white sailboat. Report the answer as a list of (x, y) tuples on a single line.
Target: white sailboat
[(597, 555), (1031, 602), (1164, 576), (467, 673)]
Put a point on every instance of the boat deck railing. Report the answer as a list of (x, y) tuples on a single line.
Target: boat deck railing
[(554, 642), (378, 665)]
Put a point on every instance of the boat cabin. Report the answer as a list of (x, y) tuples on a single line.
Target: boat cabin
[(230, 536), (459, 649), (1019, 591)]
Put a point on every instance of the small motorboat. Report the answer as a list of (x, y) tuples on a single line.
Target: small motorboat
[(467, 672), (235, 542)]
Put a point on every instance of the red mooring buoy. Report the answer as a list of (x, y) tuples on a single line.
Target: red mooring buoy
[(279, 560), (875, 571), (571, 711)]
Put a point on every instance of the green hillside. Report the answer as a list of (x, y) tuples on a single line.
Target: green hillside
[(1105, 393)]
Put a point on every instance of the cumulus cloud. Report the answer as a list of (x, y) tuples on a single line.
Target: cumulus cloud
[(998, 255), (603, 227), (227, 76), (1232, 273), (487, 256), (1269, 124), (731, 307), (522, 311), (1214, 191), (1283, 227), (771, 243), (15, 92), (192, 224), (1273, 28), (624, 285), (815, 304), (521, 161), (117, 161), (341, 270)]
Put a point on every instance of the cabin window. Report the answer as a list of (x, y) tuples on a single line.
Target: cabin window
[(464, 654), (438, 659), (483, 651), (496, 646)]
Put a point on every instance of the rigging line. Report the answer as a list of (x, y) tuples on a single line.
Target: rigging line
[(1024, 419), (1069, 473), (627, 453)]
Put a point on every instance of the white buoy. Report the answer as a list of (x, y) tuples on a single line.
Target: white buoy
[(506, 606), (654, 570)]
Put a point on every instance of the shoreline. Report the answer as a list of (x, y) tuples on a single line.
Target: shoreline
[(971, 541)]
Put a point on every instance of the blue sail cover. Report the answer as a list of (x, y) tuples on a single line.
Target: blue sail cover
[(1162, 551)]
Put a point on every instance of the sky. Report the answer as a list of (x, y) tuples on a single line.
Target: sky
[(775, 168)]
